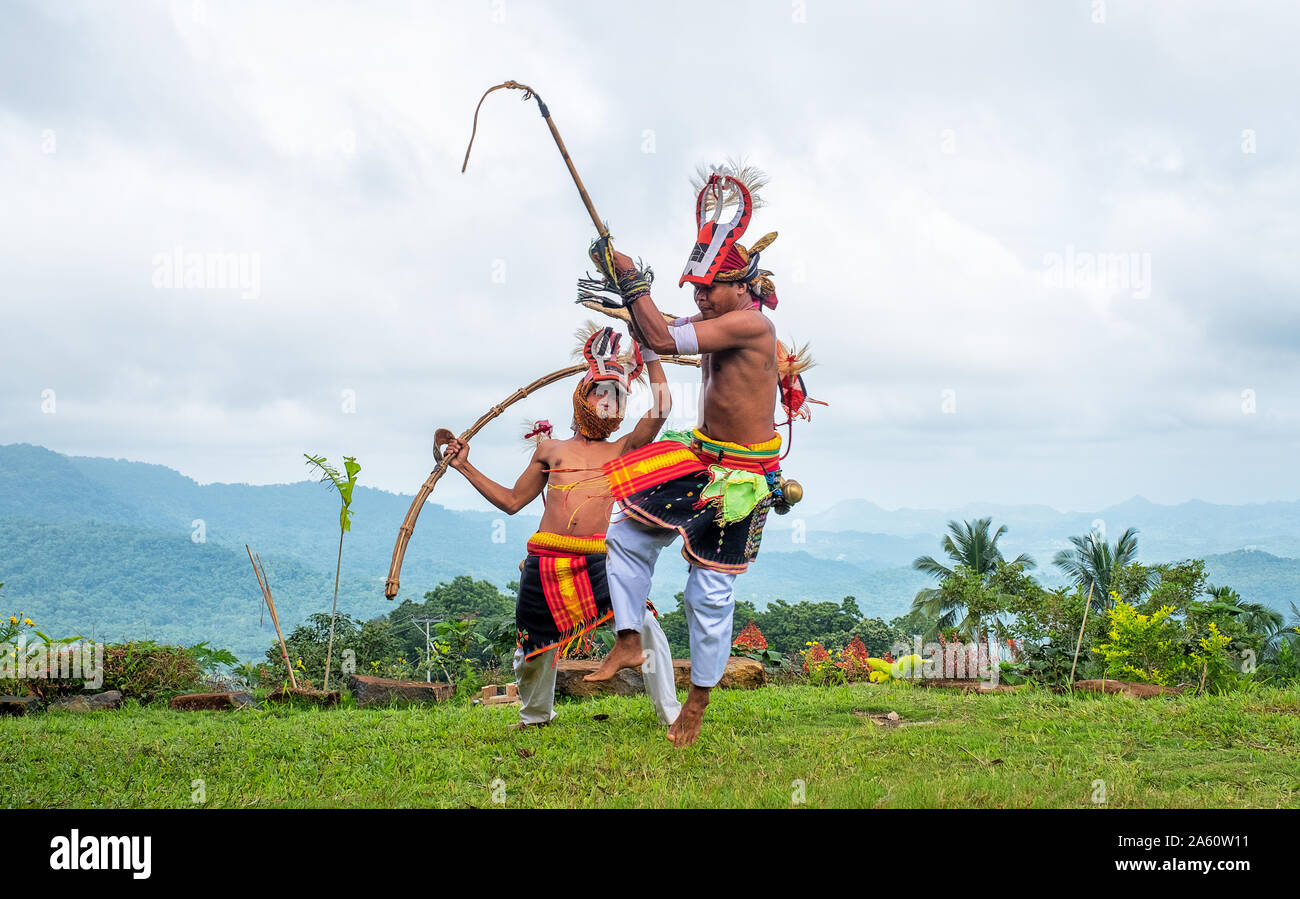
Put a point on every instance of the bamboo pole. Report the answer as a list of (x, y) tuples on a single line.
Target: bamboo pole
[(1079, 645), (530, 94), (265, 584)]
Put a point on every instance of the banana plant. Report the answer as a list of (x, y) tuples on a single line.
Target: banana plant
[(343, 484)]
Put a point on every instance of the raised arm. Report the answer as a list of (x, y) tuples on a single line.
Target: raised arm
[(508, 499), (649, 327), (661, 403)]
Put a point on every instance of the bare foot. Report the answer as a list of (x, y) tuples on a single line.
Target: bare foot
[(686, 728), (625, 654)]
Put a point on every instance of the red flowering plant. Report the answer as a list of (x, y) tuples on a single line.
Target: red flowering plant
[(750, 639), (751, 644), (853, 660)]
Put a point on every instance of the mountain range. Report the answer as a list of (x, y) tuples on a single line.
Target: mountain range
[(112, 548)]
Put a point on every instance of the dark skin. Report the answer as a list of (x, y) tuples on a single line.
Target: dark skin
[(738, 393), (569, 514)]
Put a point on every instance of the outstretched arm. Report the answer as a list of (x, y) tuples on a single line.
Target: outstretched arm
[(508, 499), (661, 403)]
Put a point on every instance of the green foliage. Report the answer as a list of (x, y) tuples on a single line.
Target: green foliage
[(308, 645), (14, 625), (211, 661), (45, 653), (976, 556), (148, 671), (1175, 585), (1160, 648), (464, 598), (789, 627), (1093, 563), (344, 484), (1284, 664), (471, 632), (916, 623), (773, 661)]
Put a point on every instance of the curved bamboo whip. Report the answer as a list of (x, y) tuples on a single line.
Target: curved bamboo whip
[(530, 94), (404, 532)]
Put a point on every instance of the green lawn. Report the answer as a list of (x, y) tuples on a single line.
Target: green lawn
[(1025, 749)]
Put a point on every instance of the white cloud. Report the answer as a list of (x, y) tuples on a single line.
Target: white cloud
[(923, 166)]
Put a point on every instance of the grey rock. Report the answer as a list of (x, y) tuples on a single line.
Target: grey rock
[(89, 702)]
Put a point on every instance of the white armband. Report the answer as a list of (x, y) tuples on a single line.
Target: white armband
[(681, 319), (648, 355), (684, 337)]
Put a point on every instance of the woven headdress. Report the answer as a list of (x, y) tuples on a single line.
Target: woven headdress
[(718, 255), (604, 364)]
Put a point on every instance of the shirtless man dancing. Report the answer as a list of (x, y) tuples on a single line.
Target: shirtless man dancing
[(563, 590), (715, 485)]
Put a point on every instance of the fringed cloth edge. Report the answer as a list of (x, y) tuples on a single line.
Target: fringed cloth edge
[(571, 596)]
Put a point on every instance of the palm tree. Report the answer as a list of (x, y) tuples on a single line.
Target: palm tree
[(1257, 618), (1092, 564), (967, 544)]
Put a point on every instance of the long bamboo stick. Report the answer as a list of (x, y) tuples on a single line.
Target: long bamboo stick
[(1079, 645), (530, 94), (270, 604)]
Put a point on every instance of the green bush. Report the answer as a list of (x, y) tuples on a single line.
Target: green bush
[(148, 671), (1159, 648)]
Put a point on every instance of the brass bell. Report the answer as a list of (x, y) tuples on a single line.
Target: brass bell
[(791, 490)]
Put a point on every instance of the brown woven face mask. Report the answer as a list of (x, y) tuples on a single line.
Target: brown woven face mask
[(588, 421)]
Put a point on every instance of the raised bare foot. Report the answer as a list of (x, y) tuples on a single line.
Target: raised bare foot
[(625, 654), (686, 728)]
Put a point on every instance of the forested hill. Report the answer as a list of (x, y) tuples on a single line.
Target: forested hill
[(123, 548)]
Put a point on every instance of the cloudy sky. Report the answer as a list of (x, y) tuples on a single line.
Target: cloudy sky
[(948, 181)]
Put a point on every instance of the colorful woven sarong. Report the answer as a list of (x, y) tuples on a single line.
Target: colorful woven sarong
[(715, 494), (563, 593)]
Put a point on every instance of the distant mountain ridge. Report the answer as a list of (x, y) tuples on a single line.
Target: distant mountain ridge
[(1193, 528), (109, 545)]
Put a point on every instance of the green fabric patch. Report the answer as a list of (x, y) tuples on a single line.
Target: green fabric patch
[(739, 491)]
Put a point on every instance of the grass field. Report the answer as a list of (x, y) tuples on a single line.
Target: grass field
[(1024, 749)]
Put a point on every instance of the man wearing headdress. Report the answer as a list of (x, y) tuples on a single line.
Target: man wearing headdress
[(715, 485), (563, 589)]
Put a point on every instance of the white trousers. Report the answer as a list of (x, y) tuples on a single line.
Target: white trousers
[(536, 677), (709, 598)]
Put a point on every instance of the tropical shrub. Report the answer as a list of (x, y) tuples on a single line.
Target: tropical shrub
[(1156, 648), (820, 666), (148, 671)]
